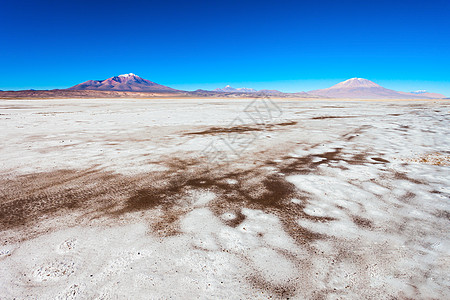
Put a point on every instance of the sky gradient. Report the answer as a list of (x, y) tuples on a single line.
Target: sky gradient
[(286, 45)]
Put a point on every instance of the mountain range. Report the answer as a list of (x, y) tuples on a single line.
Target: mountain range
[(131, 85)]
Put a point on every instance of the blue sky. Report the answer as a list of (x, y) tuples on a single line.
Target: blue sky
[(286, 45)]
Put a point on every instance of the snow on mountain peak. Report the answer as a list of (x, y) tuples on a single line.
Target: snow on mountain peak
[(356, 83), (128, 75), (420, 92), (230, 89)]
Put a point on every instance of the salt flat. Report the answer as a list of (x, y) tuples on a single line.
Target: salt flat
[(224, 199)]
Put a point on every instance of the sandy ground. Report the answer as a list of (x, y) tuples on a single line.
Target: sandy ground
[(185, 198)]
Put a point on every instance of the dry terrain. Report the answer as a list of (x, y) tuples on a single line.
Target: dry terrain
[(224, 199)]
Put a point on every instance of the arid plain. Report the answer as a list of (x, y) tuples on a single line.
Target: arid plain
[(224, 199)]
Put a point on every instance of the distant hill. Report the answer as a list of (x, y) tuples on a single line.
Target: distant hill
[(127, 82), (360, 88), (229, 92), (229, 89), (427, 94)]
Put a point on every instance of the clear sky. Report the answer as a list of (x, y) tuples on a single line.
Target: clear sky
[(286, 45)]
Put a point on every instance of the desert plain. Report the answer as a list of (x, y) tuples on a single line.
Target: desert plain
[(224, 199)]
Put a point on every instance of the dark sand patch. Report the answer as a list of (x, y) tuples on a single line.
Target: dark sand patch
[(333, 117), (283, 291), (362, 222), (219, 130), (240, 129), (379, 159)]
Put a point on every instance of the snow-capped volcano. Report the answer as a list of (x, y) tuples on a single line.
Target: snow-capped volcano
[(125, 82), (360, 88)]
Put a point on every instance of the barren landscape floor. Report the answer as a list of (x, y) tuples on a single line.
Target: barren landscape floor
[(107, 199)]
